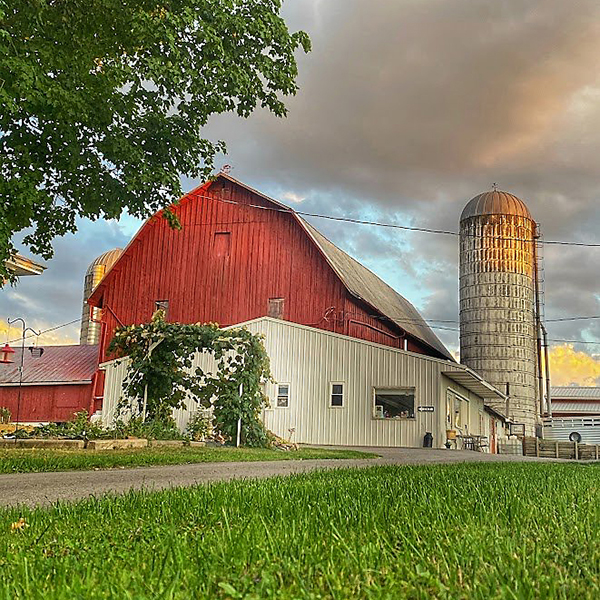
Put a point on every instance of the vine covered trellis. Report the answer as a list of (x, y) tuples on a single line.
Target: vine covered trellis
[(161, 375)]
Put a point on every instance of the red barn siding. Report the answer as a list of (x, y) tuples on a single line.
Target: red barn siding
[(268, 255), (46, 402)]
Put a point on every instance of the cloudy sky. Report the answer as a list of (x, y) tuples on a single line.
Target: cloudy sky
[(406, 110)]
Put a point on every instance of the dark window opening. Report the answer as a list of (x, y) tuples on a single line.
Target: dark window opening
[(394, 404), (222, 244), (275, 308), (337, 394)]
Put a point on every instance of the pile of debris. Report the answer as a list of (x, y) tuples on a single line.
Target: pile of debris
[(278, 443)]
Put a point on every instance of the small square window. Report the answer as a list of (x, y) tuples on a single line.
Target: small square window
[(337, 395), (275, 308), (283, 395)]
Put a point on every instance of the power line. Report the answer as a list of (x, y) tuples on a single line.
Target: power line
[(45, 331), (573, 341), (455, 321), (396, 226)]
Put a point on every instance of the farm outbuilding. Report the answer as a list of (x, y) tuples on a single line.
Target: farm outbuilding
[(334, 389), (55, 385), (575, 414)]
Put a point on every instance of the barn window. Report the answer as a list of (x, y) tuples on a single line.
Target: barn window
[(222, 244), (162, 305), (275, 308), (337, 395), (394, 403), (283, 395)]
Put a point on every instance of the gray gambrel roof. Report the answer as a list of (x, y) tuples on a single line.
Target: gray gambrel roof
[(365, 285)]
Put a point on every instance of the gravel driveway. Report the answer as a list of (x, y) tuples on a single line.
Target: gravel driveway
[(33, 489)]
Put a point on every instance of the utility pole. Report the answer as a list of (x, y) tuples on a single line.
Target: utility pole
[(24, 330)]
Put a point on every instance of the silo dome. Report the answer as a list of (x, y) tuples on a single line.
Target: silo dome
[(90, 328), (495, 203), (107, 260)]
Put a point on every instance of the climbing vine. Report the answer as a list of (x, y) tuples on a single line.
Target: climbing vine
[(161, 364)]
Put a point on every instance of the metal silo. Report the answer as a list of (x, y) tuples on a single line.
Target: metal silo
[(497, 299), (90, 330)]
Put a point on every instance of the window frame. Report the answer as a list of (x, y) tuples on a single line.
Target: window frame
[(402, 389), (277, 394), (464, 412), (331, 394)]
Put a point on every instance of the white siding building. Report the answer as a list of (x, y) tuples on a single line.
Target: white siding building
[(336, 390)]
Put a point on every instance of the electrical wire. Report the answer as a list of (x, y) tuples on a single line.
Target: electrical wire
[(396, 226), (31, 335)]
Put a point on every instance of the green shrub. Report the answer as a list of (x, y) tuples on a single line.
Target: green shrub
[(78, 428), (153, 429), (199, 426), (5, 415)]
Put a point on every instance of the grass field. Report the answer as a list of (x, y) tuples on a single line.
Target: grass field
[(480, 531), (35, 460)]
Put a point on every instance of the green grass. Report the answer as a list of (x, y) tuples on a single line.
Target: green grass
[(483, 531), (40, 460)]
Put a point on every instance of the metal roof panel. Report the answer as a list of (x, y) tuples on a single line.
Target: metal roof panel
[(58, 364), (574, 392)]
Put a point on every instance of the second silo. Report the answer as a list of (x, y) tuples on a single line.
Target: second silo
[(90, 317), (497, 299)]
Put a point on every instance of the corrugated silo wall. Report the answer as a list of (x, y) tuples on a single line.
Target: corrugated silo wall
[(497, 324), (90, 331)]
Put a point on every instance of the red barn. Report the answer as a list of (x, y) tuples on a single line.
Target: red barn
[(55, 385), (241, 255)]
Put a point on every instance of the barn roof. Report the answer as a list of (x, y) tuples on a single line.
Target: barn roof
[(591, 407), (58, 364), (574, 393)]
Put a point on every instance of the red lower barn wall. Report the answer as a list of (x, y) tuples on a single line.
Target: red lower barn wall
[(46, 402)]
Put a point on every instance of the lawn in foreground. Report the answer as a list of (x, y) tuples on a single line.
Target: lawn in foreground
[(41, 460), (446, 531)]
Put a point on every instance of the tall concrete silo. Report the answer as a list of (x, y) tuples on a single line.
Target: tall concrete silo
[(90, 330), (498, 299)]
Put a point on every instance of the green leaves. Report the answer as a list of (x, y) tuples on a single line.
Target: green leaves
[(102, 102), (161, 362)]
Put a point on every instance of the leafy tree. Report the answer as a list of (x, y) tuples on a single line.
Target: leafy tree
[(102, 102), (161, 370)]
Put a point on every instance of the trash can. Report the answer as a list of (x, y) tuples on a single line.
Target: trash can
[(428, 440)]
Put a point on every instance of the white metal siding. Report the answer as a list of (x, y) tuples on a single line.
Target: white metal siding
[(309, 360), (559, 429)]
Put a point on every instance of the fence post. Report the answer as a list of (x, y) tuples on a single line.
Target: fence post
[(556, 449), (576, 450), (537, 446)]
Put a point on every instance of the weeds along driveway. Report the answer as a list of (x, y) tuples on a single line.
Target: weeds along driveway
[(33, 489)]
